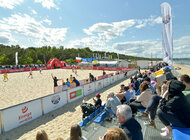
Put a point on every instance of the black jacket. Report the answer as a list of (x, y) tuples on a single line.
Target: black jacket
[(133, 129), (177, 103)]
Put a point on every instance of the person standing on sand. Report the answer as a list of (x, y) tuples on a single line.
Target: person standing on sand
[(55, 80), (71, 78), (30, 74), (5, 77)]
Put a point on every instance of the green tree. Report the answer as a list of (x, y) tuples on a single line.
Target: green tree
[(39, 62), (4, 60)]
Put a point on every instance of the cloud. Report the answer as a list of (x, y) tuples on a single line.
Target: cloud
[(152, 20), (109, 31), (138, 48), (6, 38), (47, 3), (10, 4), (24, 25), (47, 21), (144, 48), (34, 12)]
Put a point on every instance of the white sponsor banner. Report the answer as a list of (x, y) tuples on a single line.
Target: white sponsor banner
[(121, 76), (99, 84), (89, 88), (0, 123), (116, 78), (167, 33), (54, 101), (106, 82), (21, 114), (75, 93), (112, 79)]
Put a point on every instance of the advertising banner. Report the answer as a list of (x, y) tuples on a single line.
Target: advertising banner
[(100, 77), (106, 82), (0, 124), (89, 88), (54, 101), (116, 78), (99, 84), (21, 114), (57, 89), (112, 79), (75, 93), (72, 85), (167, 33)]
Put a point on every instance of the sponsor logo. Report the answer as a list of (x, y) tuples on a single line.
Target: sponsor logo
[(75, 94), (25, 115), (99, 84), (166, 19), (24, 109), (55, 99)]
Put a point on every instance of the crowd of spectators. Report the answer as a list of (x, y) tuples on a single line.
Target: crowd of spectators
[(168, 99), (4, 67)]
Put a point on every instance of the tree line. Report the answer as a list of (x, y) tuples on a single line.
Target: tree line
[(42, 55)]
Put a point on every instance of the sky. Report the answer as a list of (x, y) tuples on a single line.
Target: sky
[(130, 27)]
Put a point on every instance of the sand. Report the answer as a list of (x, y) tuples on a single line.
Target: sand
[(19, 88), (57, 123)]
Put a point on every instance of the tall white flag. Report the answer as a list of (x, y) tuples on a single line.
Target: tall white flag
[(167, 33), (16, 58)]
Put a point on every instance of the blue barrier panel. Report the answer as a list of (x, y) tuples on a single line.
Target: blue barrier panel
[(181, 133)]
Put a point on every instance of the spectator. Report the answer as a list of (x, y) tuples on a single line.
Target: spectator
[(41, 135), (131, 79), (68, 83), (114, 133), (76, 81), (122, 86), (174, 111), (55, 80), (91, 77), (104, 73), (128, 94), (76, 133), (142, 100), (111, 104), (137, 84), (98, 102), (131, 127), (186, 81), (71, 78), (131, 90), (164, 87), (153, 105), (147, 80)]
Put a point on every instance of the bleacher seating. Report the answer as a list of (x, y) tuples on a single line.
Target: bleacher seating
[(181, 133)]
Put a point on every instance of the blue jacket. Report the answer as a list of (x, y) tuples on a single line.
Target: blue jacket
[(133, 129)]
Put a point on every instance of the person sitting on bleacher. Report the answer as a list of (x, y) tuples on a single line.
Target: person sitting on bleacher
[(41, 135), (131, 89), (174, 111), (153, 104), (147, 80), (76, 133), (137, 84), (141, 101), (114, 133), (111, 104), (131, 127), (98, 102), (128, 94), (186, 81)]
